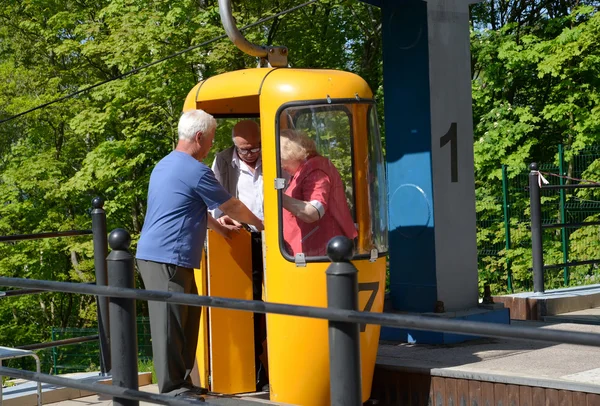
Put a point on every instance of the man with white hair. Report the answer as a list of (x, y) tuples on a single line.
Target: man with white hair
[(181, 191)]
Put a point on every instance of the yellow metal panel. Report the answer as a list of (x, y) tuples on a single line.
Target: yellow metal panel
[(240, 83), (361, 169), (236, 93), (298, 350), (190, 100), (298, 347), (238, 106), (371, 284), (202, 348), (231, 331), (285, 85)]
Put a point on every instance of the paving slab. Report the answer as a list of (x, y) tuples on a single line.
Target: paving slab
[(242, 400)]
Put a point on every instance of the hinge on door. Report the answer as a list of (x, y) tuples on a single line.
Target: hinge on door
[(279, 183), (300, 260), (374, 255)]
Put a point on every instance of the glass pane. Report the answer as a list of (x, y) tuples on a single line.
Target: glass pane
[(317, 154), (377, 186), (330, 127)]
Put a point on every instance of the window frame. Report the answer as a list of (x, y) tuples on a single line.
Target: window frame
[(279, 171)]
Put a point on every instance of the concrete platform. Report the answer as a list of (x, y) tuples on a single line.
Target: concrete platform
[(24, 393), (474, 373), (242, 400), (490, 368)]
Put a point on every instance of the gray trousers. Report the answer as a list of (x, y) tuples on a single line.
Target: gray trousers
[(174, 328)]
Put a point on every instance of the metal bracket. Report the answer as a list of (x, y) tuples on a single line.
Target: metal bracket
[(374, 255), (279, 183), (300, 260), (277, 56)]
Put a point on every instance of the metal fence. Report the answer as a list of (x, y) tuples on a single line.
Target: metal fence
[(342, 314), (504, 238), (50, 353), (537, 184), (85, 356)]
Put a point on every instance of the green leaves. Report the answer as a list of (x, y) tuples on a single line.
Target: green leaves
[(105, 142)]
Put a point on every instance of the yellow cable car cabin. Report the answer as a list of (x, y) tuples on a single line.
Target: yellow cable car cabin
[(336, 109)]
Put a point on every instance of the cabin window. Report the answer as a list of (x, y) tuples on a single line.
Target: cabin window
[(377, 187), (325, 178)]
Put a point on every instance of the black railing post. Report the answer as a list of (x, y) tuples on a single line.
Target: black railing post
[(344, 339), (537, 251), (123, 342), (100, 254)]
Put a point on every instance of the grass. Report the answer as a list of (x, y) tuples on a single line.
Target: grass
[(147, 366)]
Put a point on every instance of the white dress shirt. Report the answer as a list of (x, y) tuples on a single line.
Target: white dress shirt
[(249, 187)]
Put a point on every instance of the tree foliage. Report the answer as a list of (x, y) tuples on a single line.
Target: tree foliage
[(535, 84), (105, 142)]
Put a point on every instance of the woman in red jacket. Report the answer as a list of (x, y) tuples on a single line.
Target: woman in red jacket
[(315, 204)]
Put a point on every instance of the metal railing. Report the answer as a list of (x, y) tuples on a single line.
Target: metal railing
[(342, 314), (504, 237), (100, 244), (537, 250)]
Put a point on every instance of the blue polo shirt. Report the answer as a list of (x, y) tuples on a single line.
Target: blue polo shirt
[(181, 190)]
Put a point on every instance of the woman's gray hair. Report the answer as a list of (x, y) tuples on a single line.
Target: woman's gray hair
[(195, 121), (295, 145)]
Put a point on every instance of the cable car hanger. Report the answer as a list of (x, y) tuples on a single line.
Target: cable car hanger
[(275, 56)]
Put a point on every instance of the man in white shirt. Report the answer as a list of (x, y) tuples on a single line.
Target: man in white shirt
[(239, 170)]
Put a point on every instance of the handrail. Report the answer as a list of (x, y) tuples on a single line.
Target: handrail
[(572, 186), (537, 249), (59, 343), (19, 292), (474, 328), (23, 292), (39, 236), (343, 319)]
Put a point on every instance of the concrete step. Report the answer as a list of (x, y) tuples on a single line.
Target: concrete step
[(586, 316), (537, 306)]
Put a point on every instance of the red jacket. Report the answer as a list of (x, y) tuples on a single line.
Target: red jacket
[(317, 179)]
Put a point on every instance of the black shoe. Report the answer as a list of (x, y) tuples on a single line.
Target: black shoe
[(196, 389), (262, 380), (266, 388), (190, 395)]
